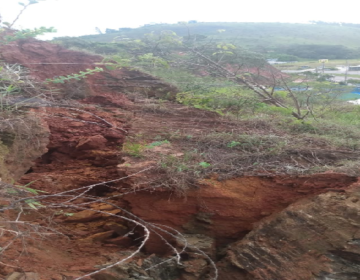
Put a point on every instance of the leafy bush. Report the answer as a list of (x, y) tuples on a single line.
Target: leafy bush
[(225, 99), (301, 127)]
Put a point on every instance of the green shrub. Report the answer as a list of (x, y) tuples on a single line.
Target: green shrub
[(134, 149), (299, 126)]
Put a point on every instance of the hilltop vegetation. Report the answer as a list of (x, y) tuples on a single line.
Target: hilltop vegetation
[(307, 41)]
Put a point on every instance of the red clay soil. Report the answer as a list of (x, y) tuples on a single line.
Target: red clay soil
[(85, 148), (80, 153), (47, 61), (229, 209)]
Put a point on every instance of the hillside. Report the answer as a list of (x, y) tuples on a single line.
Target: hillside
[(178, 155), (121, 183), (282, 38)]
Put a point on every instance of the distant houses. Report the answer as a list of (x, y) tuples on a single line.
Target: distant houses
[(354, 68), (275, 61)]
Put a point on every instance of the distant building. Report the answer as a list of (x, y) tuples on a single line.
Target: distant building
[(275, 61), (354, 68)]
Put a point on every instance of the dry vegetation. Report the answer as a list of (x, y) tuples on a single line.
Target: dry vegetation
[(196, 146)]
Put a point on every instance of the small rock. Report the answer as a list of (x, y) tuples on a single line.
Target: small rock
[(99, 237), (23, 276), (81, 268), (122, 241), (111, 134), (114, 212), (93, 142), (195, 267), (102, 206), (199, 241), (139, 262), (84, 216), (118, 228), (81, 232), (104, 276)]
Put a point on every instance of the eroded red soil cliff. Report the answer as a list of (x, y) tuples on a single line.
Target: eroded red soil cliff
[(85, 148)]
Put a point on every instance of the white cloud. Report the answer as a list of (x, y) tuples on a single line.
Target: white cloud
[(77, 17)]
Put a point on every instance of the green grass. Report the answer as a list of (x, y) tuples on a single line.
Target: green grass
[(134, 149)]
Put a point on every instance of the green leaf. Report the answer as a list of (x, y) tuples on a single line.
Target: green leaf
[(12, 191), (31, 190), (26, 187), (233, 144), (33, 204), (204, 164)]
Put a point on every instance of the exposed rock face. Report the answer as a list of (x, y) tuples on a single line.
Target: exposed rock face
[(82, 150), (229, 209), (317, 238), (136, 270)]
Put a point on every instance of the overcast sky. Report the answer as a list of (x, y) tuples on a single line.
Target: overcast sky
[(80, 17)]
